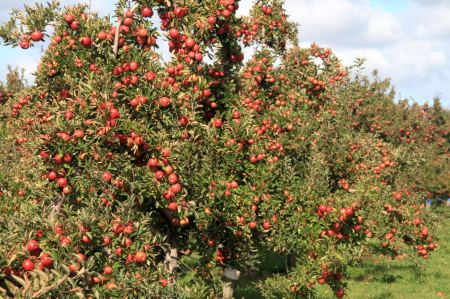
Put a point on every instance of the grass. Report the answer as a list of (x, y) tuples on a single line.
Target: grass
[(380, 279)]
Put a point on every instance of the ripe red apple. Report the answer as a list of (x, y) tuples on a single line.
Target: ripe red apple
[(67, 190), (78, 133), (52, 175), (159, 175), (133, 66), (190, 43), (206, 93), (114, 113), (165, 152), (217, 123), (340, 293), (173, 206), (82, 256), (172, 178), (183, 120), (28, 265), (62, 182), (226, 13), (164, 101), (179, 12), (69, 18), (127, 22), (75, 25), (163, 282), (102, 35), (198, 57), (149, 76), (86, 41), (32, 245), (106, 240), (107, 176), (107, 270), (85, 239), (68, 114), (147, 12), (140, 257), (153, 162), (424, 232), (24, 44), (46, 260), (176, 188), (174, 33), (36, 36), (211, 20), (73, 268)]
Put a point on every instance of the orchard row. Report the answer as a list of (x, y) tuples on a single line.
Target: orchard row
[(126, 175)]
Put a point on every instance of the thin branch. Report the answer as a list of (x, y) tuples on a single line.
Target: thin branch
[(116, 36), (58, 206)]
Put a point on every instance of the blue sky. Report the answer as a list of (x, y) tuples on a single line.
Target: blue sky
[(405, 40), (391, 5)]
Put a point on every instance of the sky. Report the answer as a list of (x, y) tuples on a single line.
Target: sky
[(405, 40)]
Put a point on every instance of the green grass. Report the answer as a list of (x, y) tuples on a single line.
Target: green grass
[(381, 279)]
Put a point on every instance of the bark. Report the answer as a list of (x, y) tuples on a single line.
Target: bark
[(171, 260), (116, 36), (57, 207), (291, 261), (230, 280)]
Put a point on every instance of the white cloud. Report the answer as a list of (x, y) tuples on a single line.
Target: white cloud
[(383, 27), (102, 7), (244, 7), (410, 44), (28, 63)]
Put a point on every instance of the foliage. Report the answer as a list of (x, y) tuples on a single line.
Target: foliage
[(118, 164)]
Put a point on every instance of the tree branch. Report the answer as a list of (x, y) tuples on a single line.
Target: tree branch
[(58, 206), (116, 36)]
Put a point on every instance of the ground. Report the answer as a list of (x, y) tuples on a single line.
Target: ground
[(381, 279)]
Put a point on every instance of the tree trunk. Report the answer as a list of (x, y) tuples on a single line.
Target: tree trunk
[(171, 260), (291, 261), (57, 207), (230, 280)]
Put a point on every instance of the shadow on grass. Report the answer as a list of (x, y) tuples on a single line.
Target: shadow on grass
[(270, 263), (383, 295), (382, 272), (246, 289), (377, 277)]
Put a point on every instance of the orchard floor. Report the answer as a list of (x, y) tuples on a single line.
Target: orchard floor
[(378, 279)]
